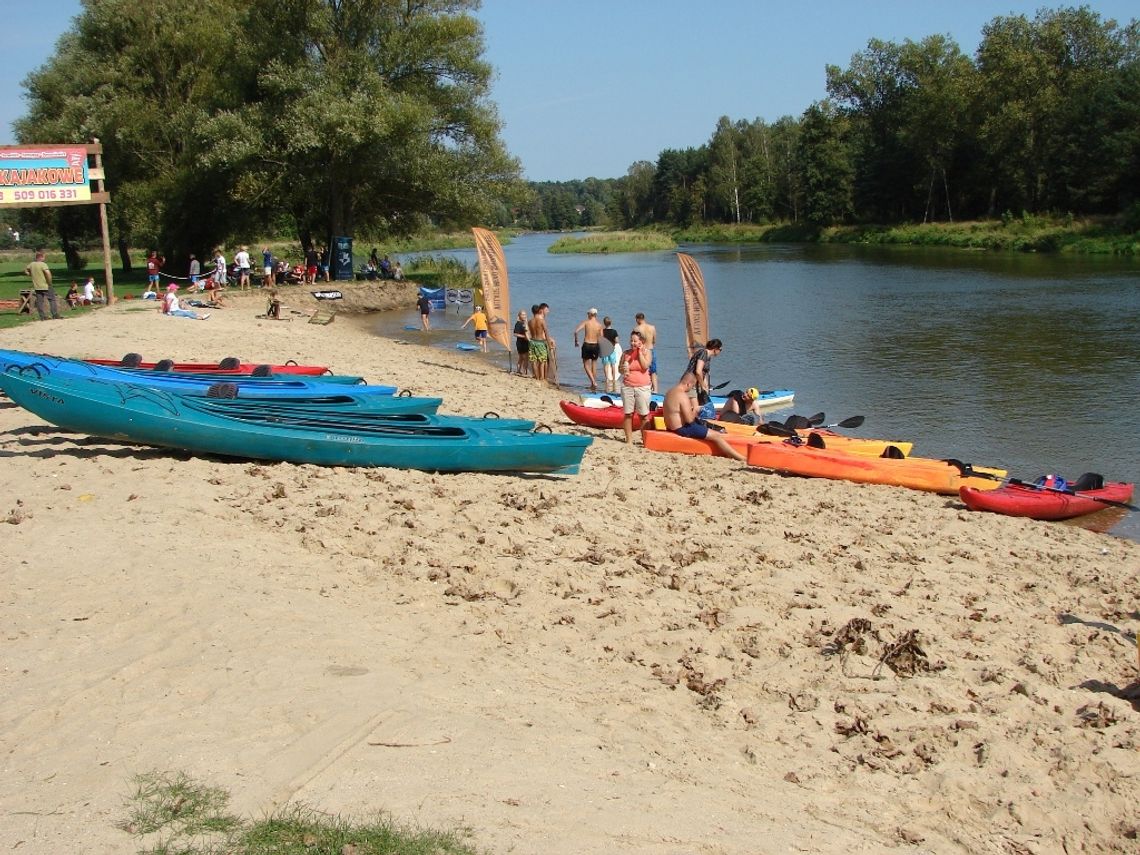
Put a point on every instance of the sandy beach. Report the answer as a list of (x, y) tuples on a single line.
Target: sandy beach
[(663, 654)]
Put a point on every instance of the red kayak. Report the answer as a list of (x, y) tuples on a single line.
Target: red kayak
[(597, 417), (1042, 502), (230, 365)]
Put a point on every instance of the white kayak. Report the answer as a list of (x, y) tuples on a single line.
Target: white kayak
[(771, 399)]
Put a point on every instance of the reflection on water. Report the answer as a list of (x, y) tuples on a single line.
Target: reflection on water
[(1028, 362)]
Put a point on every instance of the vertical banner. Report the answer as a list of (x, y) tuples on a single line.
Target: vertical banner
[(496, 290), (342, 258), (696, 301)]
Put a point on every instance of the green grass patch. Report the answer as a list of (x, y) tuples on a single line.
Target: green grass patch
[(172, 813), (608, 242)]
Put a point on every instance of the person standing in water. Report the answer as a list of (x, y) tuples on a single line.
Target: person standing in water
[(591, 332)]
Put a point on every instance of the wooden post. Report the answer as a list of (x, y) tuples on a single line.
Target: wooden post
[(107, 276)]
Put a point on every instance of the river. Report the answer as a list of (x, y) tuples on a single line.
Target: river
[(1029, 362)]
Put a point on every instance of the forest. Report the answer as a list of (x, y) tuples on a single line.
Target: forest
[(229, 120), (1045, 117)]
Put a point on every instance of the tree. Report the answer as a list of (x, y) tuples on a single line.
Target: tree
[(724, 178), (369, 114), (1036, 79), (141, 75), (220, 117), (826, 165)]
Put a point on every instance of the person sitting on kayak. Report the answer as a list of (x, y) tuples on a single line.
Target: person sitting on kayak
[(680, 413), (742, 407)]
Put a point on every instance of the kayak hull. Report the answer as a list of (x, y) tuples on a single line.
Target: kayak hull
[(213, 426), (769, 400), (606, 417), (216, 368), (1025, 500), (666, 440), (292, 386), (916, 473)]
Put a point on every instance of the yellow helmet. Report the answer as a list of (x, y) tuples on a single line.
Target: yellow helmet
[(753, 393)]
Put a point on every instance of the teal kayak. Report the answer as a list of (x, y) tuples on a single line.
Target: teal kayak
[(230, 427)]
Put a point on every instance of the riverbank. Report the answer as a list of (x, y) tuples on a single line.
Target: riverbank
[(1027, 233), (662, 654)]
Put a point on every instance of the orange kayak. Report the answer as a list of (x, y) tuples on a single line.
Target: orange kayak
[(666, 440), (831, 439), (917, 473)]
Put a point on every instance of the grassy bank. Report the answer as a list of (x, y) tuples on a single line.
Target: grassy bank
[(605, 242), (1027, 233)]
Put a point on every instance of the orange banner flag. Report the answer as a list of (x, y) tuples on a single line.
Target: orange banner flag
[(696, 301), (496, 289)]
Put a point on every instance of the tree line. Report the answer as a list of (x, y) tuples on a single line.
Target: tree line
[(223, 120), (1044, 117)]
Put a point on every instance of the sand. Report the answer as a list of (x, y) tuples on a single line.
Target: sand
[(661, 655)]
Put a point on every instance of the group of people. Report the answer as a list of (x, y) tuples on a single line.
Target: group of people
[(88, 295), (535, 350), (381, 268), (43, 289), (600, 344)]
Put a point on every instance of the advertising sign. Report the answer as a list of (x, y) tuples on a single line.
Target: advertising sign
[(35, 176), (342, 258)]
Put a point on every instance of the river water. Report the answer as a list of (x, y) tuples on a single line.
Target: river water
[(1028, 362)]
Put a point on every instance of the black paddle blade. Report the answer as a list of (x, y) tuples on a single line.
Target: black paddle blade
[(775, 429), (853, 422), (817, 419), (798, 423)]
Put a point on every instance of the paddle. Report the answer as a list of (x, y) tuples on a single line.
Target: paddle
[(816, 421), (852, 422), (804, 422), (968, 471)]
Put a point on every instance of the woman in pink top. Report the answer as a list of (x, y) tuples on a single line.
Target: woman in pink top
[(635, 382)]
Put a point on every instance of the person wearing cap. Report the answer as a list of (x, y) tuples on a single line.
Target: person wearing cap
[(171, 307), (591, 332), (480, 321), (742, 407)]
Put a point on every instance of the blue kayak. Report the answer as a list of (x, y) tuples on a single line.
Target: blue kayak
[(232, 428), (280, 386)]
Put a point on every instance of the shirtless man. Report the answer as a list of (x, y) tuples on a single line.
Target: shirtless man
[(680, 413), (649, 336), (591, 346), (539, 352)]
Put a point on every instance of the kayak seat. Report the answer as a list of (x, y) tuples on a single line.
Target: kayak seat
[(164, 365), (222, 390), (1088, 481), (131, 360), (893, 452), (261, 371), (230, 363), (814, 440)]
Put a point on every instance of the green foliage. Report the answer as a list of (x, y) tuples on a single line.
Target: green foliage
[(1045, 117), (440, 270), (607, 242), (221, 120)]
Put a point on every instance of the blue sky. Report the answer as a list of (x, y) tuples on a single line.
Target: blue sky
[(588, 87)]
